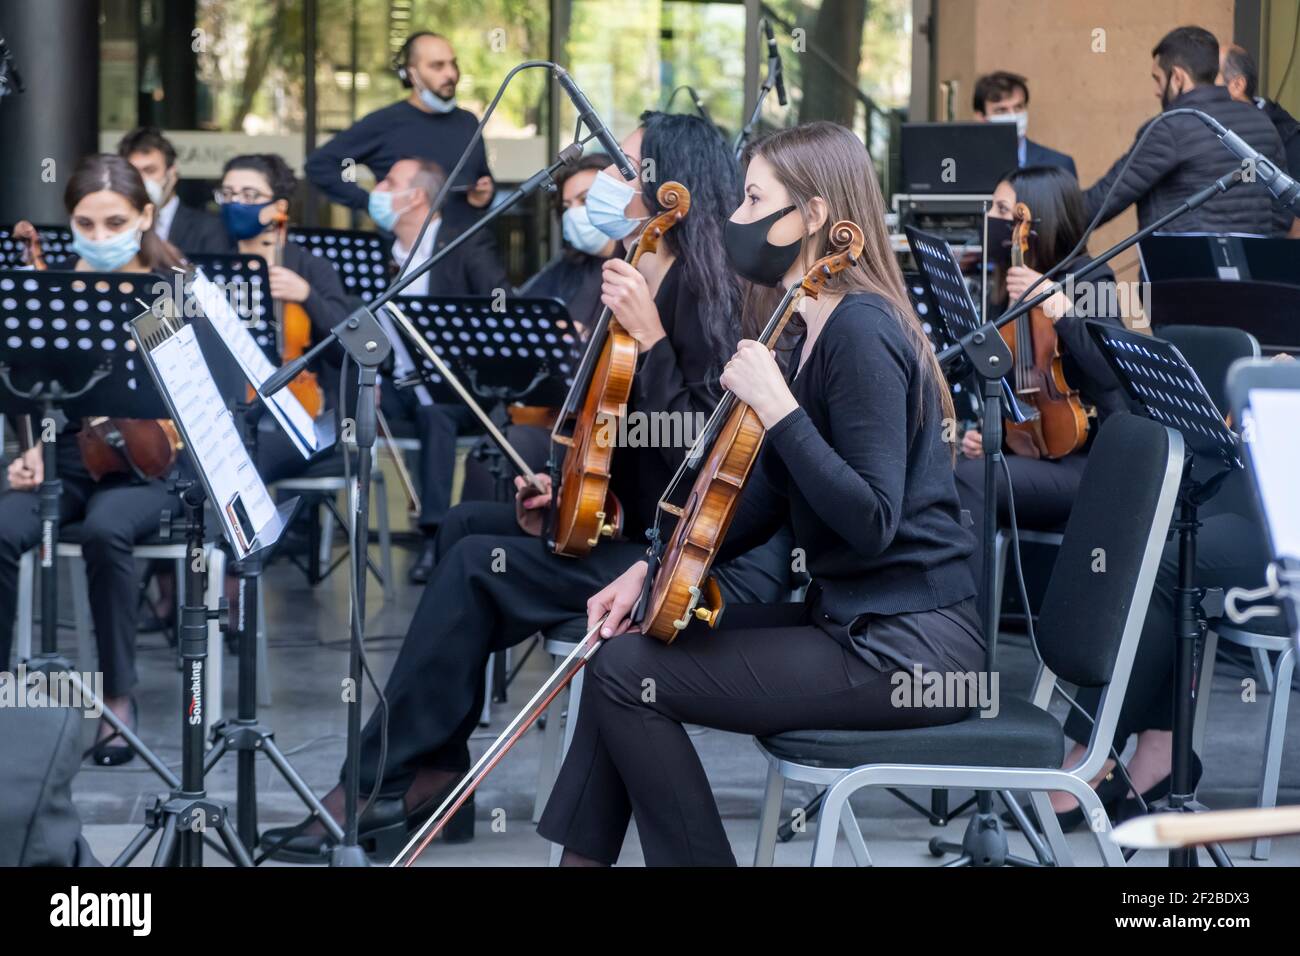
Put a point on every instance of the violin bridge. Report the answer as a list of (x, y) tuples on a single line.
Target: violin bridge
[(673, 510)]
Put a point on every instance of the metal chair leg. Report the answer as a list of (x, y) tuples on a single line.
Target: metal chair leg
[(1278, 707), (853, 835), (769, 818), (23, 618)]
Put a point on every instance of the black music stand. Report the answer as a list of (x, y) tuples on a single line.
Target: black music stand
[(56, 244), (987, 356), (244, 734), (248, 276), (68, 354), (360, 258), (251, 525), (1163, 387), (512, 350)]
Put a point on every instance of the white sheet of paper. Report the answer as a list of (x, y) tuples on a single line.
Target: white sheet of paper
[(212, 436), (283, 405), (1271, 423)]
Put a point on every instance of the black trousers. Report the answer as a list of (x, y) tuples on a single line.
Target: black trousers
[(436, 426), (1044, 493), (492, 587), (762, 672), (1230, 552), (115, 514)]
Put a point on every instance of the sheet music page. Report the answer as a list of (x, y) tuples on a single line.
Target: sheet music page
[(213, 438), (284, 406), (1270, 427)]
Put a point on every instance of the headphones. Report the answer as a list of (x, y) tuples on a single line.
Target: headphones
[(403, 57)]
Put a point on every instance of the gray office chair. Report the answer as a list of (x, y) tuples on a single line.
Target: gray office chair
[(1088, 632)]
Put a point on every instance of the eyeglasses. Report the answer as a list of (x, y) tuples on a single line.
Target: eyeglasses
[(246, 195)]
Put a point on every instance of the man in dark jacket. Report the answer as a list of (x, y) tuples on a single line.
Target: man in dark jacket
[(1182, 155), (1003, 97), (1240, 76), (190, 230)]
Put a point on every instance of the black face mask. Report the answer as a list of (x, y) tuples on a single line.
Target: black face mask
[(752, 256), (1000, 241)]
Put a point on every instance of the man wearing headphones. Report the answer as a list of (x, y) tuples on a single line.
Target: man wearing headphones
[(426, 124)]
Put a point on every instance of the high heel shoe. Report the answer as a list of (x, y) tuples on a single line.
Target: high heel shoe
[(1110, 790), (382, 831), (106, 753), (1130, 808)]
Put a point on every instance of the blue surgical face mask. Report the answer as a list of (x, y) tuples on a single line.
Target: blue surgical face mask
[(580, 233), (436, 102), (380, 207), (607, 201), (107, 255), (241, 219)]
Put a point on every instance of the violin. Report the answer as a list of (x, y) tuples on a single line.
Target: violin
[(679, 586), (583, 510), (1058, 424), (293, 333), (145, 447)]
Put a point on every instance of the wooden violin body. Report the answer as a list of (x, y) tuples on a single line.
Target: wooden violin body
[(584, 509), (1060, 426), (683, 589), (145, 447)]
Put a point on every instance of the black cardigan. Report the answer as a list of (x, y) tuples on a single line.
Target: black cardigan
[(861, 470)]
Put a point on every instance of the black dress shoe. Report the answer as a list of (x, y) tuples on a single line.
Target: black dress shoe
[(109, 752), (382, 831), (422, 569), (1110, 790)]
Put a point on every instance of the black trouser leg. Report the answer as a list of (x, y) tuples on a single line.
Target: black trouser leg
[(639, 692), (116, 518), (1229, 553), (488, 592), (437, 463), (20, 531), (1044, 493)]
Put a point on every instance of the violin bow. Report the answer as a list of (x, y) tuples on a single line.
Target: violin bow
[(550, 689), (485, 420)]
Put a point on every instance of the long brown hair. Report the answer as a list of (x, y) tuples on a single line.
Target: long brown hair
[(826, 160), (107, 171)]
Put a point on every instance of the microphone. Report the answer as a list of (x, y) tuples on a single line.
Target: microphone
[(591, 119), (774, 62), (1283, 188)]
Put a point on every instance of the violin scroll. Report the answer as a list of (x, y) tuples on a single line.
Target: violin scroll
[(1024, 220), (847, 241), (676, 200)]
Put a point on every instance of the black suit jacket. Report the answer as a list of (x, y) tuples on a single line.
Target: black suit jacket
[(471, 269), (1036, 154), (195, 232)]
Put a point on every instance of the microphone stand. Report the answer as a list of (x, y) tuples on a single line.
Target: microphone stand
[(764, 88), (367, 344), (984, 351)]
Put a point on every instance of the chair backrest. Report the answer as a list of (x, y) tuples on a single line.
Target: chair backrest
[(1101, 583)]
